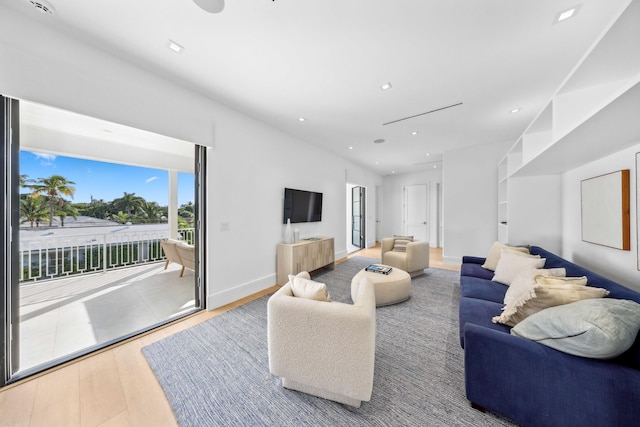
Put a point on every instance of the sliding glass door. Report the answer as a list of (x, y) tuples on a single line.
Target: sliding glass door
[(103, 231), (10, 134)]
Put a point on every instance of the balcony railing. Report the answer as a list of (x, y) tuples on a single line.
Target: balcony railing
[(48, 257)]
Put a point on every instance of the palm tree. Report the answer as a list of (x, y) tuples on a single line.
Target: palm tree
[(54, 188), (128, 203), (66, 209), (33, 208), (121, 217), (150, 211), (24, 180)]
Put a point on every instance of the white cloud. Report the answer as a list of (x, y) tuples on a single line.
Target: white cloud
[(153, 178), (46, 159)]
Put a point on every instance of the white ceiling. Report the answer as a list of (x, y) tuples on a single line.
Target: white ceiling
[(325, 60)]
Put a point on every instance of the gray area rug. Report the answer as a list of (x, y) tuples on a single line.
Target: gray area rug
[(217, 373)]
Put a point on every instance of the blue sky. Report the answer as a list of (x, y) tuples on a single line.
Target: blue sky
[(104, 180)]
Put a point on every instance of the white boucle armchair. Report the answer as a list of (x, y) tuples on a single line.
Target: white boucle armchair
[(326, 349)]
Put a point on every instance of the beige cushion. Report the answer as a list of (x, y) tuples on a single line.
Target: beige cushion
[(524, 281), (543, 296), (400, 243), (512, 263), (305, 288), (548, 280), (496, 250)]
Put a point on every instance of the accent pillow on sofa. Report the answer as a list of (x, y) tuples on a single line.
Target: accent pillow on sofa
[(512, 263), (598, 328), (491, 262), (306, 288), (544, 296), (400, 243), (549, 280), (524, 281)]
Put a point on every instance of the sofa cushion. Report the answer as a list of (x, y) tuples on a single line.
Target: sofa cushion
[(495, 253), (400, 243), (525, 280), (598, 328), (475, 287), (544, 296), (513, 263), (475, 270), (479, 312), (305, 288)]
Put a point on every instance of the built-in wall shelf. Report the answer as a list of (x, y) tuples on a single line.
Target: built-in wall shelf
[(595, 112)]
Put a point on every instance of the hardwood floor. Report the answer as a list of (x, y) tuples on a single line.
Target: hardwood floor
[(114, 387)]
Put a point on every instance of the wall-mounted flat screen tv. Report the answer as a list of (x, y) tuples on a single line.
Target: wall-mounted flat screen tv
[(302, 206)]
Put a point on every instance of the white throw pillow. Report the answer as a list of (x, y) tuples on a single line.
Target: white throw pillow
[(305, 288), (598, 328), (496, 250), (513, 263), (526, 280)]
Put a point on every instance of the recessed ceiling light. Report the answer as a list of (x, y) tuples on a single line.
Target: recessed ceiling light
[(350, 148), (428, 154), (393, 171), (386, 86), (174, 46), (415, 132), (566, 14), (377, 163), (435, 166), (378, 141), (301, 119), (515, 110)]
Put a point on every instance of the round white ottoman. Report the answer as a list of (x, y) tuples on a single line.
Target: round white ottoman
[(390, 288)]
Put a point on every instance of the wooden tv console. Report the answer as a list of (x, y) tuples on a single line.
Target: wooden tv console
[(306, 255)]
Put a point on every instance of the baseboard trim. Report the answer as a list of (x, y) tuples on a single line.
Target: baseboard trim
[(228, 296), (451, 260)]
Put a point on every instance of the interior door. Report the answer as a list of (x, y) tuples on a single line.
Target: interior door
[(416, 209), (358, 217)]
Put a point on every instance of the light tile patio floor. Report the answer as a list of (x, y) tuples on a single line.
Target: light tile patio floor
[(59, 317)]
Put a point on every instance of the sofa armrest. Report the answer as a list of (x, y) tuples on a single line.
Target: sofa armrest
[(328, 345), (536, 385), (473, 260)]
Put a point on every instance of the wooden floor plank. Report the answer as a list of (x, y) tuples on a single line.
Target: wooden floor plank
[(57, 401), (146, 402), (16, 404), (101, 394)]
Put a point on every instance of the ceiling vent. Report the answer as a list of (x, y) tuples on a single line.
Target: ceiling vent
[(422, 114), (42, 5)]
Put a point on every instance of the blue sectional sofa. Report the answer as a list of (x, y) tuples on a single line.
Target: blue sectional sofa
[(530, 383)]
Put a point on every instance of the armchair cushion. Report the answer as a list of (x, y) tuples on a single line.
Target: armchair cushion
[(400, 243), (302, 287)]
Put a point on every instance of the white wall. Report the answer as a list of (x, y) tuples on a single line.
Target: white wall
[(249, 162), (618, 265), (470, 200), (393, 190)]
